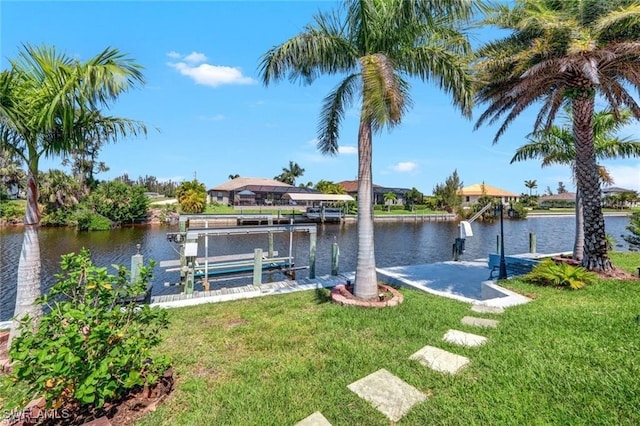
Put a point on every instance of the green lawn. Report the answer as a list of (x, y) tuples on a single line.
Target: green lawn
[(568, 357)]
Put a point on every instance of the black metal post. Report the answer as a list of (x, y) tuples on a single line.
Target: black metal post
[(503, 265)]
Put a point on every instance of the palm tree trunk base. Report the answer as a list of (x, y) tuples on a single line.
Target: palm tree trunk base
[(387, 296)]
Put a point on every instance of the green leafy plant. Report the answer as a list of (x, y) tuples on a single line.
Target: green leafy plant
[(550, 273), (91, 345), (86, 220)]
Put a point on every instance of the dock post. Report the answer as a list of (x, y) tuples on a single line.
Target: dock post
[(136, 264), (532, 242), (312, 254), (189, 282), (205, 279), (270, 252), (335, 255), (257, 266), (497, 243)]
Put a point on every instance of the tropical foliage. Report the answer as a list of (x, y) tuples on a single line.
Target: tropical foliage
[(447, 194), (531, 185), (329, 187), (557, 145), (376, 45), (12, 177), (192, 196), (119, 202), (389, 199), (560, 274), (50, 105), (557, 54), (290, 174), (634, 228), (90, 347)]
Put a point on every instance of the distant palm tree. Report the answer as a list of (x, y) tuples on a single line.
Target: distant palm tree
[(231, 177), (564, 53), (558, 146), (290, 174), (531, 184), (389, 198), (48, 103), (377, 44)]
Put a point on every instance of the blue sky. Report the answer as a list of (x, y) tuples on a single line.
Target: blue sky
[(209, 115)]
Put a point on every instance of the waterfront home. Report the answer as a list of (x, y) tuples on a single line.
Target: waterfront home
[(471, 194), (249, 191), (351, 188), (565, 199), (616, 197)]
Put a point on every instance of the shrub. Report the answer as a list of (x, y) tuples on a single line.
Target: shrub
[(550, 273), (89, 347), (11, 210), (86, 220)]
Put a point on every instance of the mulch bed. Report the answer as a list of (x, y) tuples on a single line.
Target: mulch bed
[(387, 296), (122, 412)]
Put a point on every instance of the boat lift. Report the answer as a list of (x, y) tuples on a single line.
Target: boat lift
[(465, 231), (190, 269)]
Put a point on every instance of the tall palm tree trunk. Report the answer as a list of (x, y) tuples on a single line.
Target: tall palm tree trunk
[(578, 244), (28, 285), (595, 243), (366, 285)]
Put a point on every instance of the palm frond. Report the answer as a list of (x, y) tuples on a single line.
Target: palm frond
[(334, 107)]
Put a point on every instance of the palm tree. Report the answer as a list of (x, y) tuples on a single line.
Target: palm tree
[(377, 44), (557, 145), (564, 53), (389, 198), (531, 184), (48, 103), (290, 174)]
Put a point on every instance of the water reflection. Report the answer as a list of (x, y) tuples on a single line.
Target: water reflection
[(396, 244)]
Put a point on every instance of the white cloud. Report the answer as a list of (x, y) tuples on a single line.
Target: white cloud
[(405, 167), (195, 58), (627, 177), (193, 66), (347, 150)]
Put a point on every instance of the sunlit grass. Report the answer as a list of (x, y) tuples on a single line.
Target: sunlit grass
[(567, 357)]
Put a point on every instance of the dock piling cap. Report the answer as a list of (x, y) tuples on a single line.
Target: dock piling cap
[(465, 229)]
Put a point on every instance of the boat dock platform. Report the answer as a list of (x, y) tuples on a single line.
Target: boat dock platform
[(466, 281)]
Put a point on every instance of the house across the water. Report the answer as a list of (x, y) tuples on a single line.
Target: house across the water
[(471, 194)]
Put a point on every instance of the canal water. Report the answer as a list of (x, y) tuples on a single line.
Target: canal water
[(396, 244)]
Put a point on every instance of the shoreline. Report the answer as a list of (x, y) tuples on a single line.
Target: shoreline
[(433, 217)]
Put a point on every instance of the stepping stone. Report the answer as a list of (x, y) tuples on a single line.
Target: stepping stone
[(387, 393), (464, 339), (316, 419), (479, 322), (440, 360), (484, 309)]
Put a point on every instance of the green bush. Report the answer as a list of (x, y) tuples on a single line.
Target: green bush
[(10, 210), (89, 347), (550, 273), (518, 211), (86, 220)]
